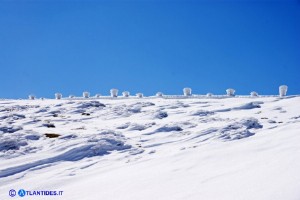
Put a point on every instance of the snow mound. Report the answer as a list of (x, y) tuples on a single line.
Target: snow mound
[(90, 104), (247, 106), (160, 115), (250, 105), (143, 104), (250, 123), (202, 113), (137, 127), (123, 126), (233, 131), (239, 130), (121, 111), (9, 129), (7, 144), (169, 128), (13, 116), (134, 109), (32, 137), (140, 127)]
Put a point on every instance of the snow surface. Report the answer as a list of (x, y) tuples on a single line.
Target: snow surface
[(155, 148)]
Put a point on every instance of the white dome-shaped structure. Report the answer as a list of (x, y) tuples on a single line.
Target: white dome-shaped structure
[(187, 91), (125, 94), (58, 95), (283, 90), (139, 95), (114, 92), (209, 94), (71, 96), (230, 92), (31, 97), (86, 94), (97, 95), (159, 94), (253, 94)]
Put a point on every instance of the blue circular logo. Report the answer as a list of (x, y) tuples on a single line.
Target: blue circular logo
[(22, 193), (12, 193)]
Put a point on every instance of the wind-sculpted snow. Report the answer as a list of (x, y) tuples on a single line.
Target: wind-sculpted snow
[(7, 144), (250, 105), (161, 115), (235, 130), (246, 106), (144, 104), (202, 113), (90, 104), (13, 116), (123, 145), (169, 128), (32, 136), (9, 129), (94, 145), (239, 129)]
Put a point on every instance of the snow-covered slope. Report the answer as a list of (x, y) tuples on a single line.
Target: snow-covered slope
[(231, 148)]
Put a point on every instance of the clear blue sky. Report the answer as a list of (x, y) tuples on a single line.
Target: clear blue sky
[(148, 46)]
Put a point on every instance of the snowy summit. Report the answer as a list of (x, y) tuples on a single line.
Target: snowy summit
[(233, 148)]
